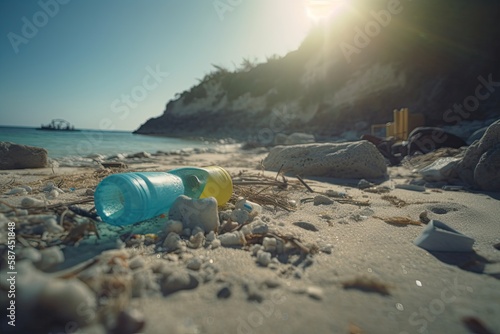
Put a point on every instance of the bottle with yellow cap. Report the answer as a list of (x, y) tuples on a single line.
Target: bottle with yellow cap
[(128, 198)]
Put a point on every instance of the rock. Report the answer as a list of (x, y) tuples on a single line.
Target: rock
[(280, 139), (341, 160), (16, 156), (467, 166), (363, 184), (129, 321), (136, 262), (50, 257), (224, 293), (443, 169), (173, 242), (140, 155), (17, 191), (30, 202), (322, 200), (194, 263), (428, 139), (173, 226), (263, 258), (299, 138), (478, 134), (52, 226), (269, 244), (232, 239), (240, 216), (197, 240), (315, 292), (487, 172), (193, 213), (179, 280)]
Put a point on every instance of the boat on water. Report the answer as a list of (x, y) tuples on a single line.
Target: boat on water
[(58, 125)]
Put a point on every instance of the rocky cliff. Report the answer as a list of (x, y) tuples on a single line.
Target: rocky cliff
[(439, 58)]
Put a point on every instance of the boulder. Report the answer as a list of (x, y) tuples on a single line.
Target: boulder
[(487, 171), (16, 156), (480, 165), (428, 139), (359, 159)]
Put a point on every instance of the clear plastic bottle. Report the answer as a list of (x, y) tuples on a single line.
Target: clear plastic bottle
[(128, 198)]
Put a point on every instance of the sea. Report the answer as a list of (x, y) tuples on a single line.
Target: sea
[(89, 143)]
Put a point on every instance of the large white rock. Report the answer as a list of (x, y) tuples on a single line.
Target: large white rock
[(359, 159)]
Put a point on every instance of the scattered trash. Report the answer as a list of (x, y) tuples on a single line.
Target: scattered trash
[(128, 198), (439, 237)]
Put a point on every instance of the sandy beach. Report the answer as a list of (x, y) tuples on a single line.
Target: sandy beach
[(355, 272)]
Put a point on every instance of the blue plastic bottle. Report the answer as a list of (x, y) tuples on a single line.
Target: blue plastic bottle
[(128, 198)]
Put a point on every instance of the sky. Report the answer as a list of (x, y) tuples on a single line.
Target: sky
[(113, 64)]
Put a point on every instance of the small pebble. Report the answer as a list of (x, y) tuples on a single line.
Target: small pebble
[(240, 216), (215, 244), (255, 248), (411, 187), (52, 226), (232, 239), (30, 202), (179, 280), (263, 258), (423, 217), (269, 244), (224, 293), (195, 263), (363, 184), (173, 226), (136, 262), (130, 321), (196, 241), (17, 191), (315, 292), (322, 200), (210, 236), (328, 248)]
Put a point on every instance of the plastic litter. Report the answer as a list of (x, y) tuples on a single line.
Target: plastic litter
[(127, 198), (439, 237)]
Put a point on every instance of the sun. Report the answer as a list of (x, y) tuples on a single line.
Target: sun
[(318, 10)]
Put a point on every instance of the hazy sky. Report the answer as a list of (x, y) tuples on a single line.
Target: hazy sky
[(116, 63)]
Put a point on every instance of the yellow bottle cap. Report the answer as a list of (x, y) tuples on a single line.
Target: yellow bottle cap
[(219, 185)]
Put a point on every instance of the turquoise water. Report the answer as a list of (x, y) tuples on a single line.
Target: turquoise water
[(86, 142)]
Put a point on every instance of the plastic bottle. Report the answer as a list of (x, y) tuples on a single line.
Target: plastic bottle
[(128, 198)]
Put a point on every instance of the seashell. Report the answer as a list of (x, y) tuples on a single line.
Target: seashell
[(196, 241)]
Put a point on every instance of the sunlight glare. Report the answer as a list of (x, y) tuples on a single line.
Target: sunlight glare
[(323, 9)]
